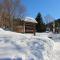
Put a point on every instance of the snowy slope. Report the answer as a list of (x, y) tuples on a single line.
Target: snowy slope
[(27, 47)]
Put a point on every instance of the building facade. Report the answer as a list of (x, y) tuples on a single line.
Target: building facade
[(54, 26), (26, 25)]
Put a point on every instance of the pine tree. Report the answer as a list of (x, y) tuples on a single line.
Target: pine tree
[(40, 27)]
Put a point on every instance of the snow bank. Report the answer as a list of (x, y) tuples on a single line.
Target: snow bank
[(26, 47)]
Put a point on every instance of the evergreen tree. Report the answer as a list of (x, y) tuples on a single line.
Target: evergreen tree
[(40, 27)]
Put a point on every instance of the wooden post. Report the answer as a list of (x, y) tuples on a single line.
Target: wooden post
[(24, 28), (34, 31), (54, 27)]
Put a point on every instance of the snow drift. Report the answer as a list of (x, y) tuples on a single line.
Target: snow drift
[(26, 47)]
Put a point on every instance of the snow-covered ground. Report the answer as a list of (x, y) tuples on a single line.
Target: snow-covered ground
[(56, 47), (28, 47)]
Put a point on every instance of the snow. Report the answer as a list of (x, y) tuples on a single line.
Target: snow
[(56, 51), (29, 47), (29, 19), (56, 47)]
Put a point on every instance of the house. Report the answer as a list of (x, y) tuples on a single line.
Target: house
[(26, 25), (55, 25)]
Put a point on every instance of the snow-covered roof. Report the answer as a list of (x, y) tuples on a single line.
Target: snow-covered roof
[(29, 19)]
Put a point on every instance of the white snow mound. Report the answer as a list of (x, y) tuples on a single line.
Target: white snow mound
[(17, 45)]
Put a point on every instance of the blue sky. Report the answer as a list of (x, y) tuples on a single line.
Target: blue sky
[(45, 7)]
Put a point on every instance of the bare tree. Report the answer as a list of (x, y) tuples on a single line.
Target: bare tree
[(10, 9)]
